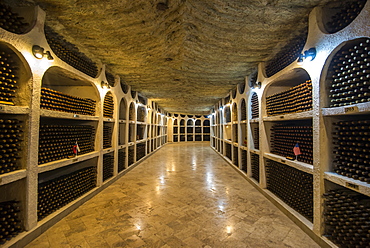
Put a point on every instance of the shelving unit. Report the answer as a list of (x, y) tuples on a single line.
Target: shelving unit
[(334, 112), (188, 128), (79, 128)]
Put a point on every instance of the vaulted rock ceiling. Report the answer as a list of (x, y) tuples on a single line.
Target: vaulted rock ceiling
[(184, 54)]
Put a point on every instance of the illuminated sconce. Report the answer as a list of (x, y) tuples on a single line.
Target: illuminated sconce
[(104, 85), (39, 53), (307, 55), (255, 84)]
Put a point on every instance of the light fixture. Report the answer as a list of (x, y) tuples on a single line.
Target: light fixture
[(257, 85), (104, 85), (39, 53), (307, 55)]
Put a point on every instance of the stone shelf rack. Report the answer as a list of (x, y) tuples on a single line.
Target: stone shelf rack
[(321, 117), (60, 76)]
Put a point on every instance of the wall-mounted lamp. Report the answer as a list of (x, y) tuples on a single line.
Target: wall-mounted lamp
[(308, 55), (255, 84), (39, 53), (104, 85)]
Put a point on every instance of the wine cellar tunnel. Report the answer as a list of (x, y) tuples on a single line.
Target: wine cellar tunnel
[(91, 92)]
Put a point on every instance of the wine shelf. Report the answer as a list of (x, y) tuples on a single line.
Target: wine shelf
[(7, 109), (58, 192), (350, 183), (108, 150), (68, 91), (121, 159), (255, 167), (306, 115), (57, 114), (65, 162), (308, 168), (70, 54), (108, 163), (339, 74), (10, 221), (118, 107), (190, 129), (293, 186), (360, 108), (255, 151), (347, 218), (12, 176)]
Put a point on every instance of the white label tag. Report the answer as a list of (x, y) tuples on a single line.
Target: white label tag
[(352, 186), (351, 109)]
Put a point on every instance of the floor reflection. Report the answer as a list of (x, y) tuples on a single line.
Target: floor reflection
[(183, 195)]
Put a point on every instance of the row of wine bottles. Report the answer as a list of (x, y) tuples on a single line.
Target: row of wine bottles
[(131, 158), (64, 141), (11, 132), (9, 73), (141, 113), (255, 166), (58, 101), (107, 136), (11, 21), (293, 186), (347, 12), (256, 137), (10, 223), (110, 78), (287, 55), (236, 156), (294, 100), (235, 133), (140, 151), (350, 74), (191, 130), (243, 111), (228, 151), (108, 165), (227, 114), (244, 159), (351, 143), (347, 218), (284, 137), (140, 132), (190, 123), (121, 159), (254, 106), (108, 106), (235, 113), (60, 191), (69, 53)]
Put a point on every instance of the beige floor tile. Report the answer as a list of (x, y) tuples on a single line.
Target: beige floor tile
[(184, 195)]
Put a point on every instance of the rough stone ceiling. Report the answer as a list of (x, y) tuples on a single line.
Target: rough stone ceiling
[(184, 54)]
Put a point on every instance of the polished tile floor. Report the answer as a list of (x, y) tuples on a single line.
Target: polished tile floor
[(184, 195)]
